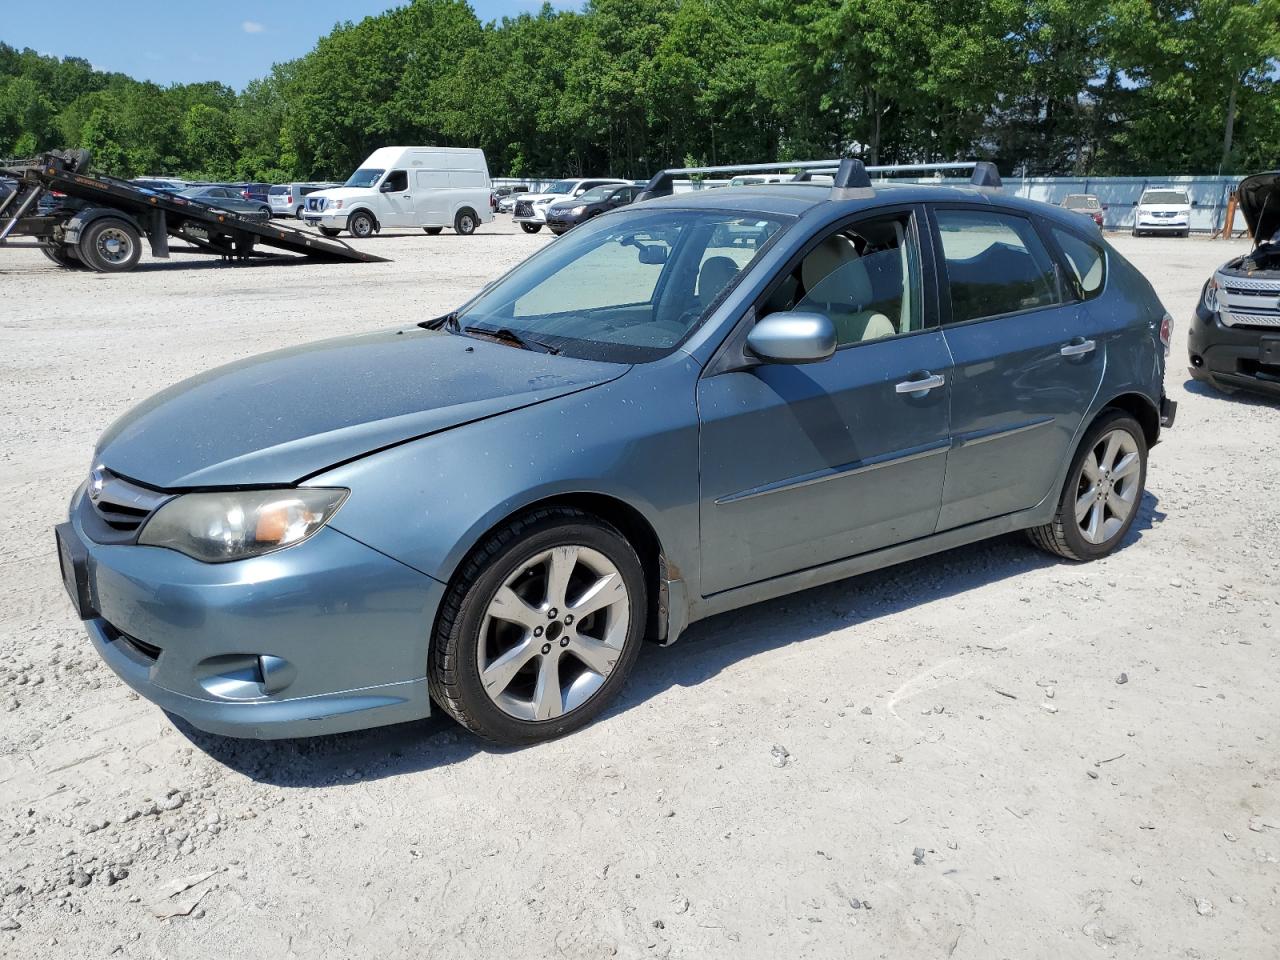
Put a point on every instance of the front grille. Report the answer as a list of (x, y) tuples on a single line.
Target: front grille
[(1236, 318), (315, 204), (121, 505), (524, 208), (1249, 288)]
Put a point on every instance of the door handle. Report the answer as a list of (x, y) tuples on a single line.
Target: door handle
[(922, 386), (1077, 348)]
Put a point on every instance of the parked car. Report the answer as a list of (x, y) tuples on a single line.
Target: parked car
[(254, 191), (530, 210), (563, 215), (289, 199), (1163, 210), (1086, 204), (752, 180), (499, 193), (506, 204), (1234, 341), (228, 198), (470, 511), (166, 184), (52, 201), (427, 187)]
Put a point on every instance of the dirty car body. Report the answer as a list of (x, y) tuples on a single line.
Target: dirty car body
[(707, 459)]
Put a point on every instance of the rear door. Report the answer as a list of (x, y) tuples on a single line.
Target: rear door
[(804, 465), (1028, 361)]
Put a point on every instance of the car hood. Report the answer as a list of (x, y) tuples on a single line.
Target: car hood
[(278, 418), (1259, 200), (1165, 207), (539, 197), (342, 193)]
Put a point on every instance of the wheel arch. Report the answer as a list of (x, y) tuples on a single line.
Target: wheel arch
[(629, 521), (1141, 408), (377, 224)]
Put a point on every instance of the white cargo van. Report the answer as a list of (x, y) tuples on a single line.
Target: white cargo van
[(428, 187)]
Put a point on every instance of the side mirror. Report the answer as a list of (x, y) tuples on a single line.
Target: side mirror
[(793, 338), (652, 253), (387, 187)]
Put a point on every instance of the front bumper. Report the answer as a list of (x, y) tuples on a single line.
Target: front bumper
[(538, 215), (1162, 225), (1234, 357), (323, 637), (560, 221), (332, 219)]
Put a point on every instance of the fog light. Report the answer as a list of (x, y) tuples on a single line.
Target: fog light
[(1197, 360)]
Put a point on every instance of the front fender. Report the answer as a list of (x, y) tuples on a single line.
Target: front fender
[(635, 439)]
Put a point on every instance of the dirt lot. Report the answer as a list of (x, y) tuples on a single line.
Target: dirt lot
[(987, 754)]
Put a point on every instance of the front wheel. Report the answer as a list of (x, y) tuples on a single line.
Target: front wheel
[(530, 227), (110, 245), (540, 628), (465, 222), (1103, 492), (361, 224)]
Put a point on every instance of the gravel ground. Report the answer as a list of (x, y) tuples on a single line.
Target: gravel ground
[(983, 754)]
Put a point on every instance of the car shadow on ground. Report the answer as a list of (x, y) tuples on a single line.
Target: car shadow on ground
[(706, 648), (1201, 389)]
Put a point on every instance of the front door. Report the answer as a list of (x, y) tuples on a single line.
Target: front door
[(397, 202), (1028, 363), (804, 465)]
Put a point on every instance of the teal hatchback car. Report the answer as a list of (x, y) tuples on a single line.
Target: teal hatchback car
[(692, 403)]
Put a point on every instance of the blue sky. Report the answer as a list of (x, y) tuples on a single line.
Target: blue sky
[(181, 41)]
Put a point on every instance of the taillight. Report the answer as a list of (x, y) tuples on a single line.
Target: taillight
[(288, 198), (1166, 331)]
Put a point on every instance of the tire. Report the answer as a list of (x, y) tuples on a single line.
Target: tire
[(1136, 233), (329, 231), (265, 211), (361, 224), (110, 245), (517, 560), (1105, 495), (297, 214), (466, 221), (530, 227), (433, 231), (63, 257)]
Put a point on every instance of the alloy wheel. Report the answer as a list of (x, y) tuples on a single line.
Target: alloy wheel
[(553, 632), (1107, 488)]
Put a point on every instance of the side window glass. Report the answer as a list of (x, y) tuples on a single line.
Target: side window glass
[(866, 278), (1087, 260), (996, 264), (397, 180)]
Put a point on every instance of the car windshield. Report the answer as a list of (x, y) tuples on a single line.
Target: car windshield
[(597, 193), (1165, 196), (1081, 202), (562, 186), (624, 290), (364, 177)]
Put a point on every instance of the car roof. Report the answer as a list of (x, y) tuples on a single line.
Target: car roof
[(796, 199)]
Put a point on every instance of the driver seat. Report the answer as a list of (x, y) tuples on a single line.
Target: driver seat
[(837, 284)]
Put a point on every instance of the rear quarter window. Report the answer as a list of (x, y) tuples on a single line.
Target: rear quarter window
[(1087, 261)]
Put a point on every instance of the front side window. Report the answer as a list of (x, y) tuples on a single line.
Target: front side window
[(626, 290), (1087, 260), (396, 180), (866, 278), (995, 263)]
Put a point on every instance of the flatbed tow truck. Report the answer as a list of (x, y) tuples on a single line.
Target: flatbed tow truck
[(104, 231)]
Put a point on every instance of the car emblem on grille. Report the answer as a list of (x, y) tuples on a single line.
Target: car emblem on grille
[(96, 481)]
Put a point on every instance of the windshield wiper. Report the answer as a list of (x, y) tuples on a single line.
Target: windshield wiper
[(507, 335), (448, 322)]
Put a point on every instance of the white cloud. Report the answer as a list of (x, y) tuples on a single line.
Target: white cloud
[(252, 26)]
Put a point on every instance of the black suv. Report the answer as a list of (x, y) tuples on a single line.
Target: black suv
[(567, 214)]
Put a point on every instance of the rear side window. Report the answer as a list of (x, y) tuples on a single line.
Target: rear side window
[(1088, 262), (278, 191), (996, 265)]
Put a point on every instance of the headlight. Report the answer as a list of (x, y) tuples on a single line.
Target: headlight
[(217, 527), (336, 204), (542, 203), (1211, 295), (578, 211)]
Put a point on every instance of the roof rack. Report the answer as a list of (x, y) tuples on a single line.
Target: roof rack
[(851, 178)]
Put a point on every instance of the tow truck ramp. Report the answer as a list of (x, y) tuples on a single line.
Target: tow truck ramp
[(103, 231)]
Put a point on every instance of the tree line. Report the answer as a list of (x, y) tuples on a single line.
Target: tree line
[(624, 87)]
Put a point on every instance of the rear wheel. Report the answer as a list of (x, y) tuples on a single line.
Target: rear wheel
[(540, 627), (361, 224), (465, 222), (1103, 492), (63, 256), (433, 231), (110, 245), (265, 211), (530, 227), (297, 214)]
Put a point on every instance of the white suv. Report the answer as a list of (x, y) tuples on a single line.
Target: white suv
[(531, 208), (1163, 210)]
